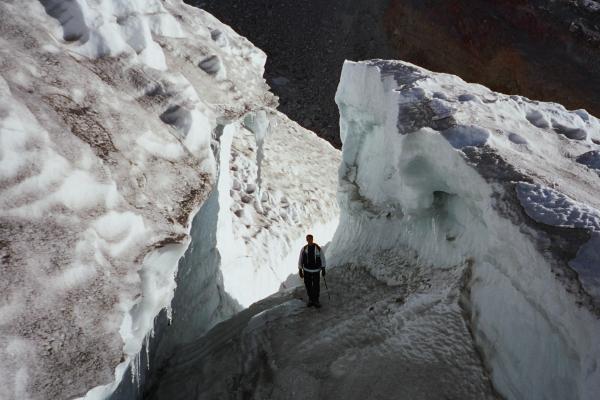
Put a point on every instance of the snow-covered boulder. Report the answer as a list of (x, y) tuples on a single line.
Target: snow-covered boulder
[(117, 121), (452, 172)]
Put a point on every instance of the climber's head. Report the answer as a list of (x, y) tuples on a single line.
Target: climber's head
[(309, 238)]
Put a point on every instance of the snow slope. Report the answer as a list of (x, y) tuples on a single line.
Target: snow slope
[(115, 120), (464, 264)]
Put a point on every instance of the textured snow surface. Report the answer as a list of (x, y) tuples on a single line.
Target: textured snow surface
[(551, 207), (111, 120), (370, 340), (451, 171)]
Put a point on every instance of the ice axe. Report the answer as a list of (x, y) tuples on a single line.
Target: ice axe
[(325, 281)]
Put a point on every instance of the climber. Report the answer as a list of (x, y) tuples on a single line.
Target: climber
[(310, 263)]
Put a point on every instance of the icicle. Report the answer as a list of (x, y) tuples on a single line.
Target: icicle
[(259, 124), (132, 366), (137, 369), (169, 314), (147, 345), (133, 370)]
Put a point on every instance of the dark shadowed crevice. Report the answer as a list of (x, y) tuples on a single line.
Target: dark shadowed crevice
[(70, 16)]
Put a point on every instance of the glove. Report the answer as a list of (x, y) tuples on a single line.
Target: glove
[(301, 273), (323, 272)]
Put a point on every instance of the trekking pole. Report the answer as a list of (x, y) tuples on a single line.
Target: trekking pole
[(328, 295)]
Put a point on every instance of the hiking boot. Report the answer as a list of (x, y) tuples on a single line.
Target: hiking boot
[(310, 304), (317, 304)]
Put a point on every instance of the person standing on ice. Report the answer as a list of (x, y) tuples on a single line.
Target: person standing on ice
[(310, 263)]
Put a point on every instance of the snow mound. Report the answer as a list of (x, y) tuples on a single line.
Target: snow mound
[(444, 172), (116, 120)]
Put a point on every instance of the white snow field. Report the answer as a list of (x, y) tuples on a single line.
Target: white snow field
[(119, 121), (465, 265)]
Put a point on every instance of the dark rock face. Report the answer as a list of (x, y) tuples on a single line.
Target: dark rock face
[(543, 50), (306, 42)]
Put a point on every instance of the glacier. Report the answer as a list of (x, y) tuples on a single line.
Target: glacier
[(153, 201), (434, 162), (465, 253)]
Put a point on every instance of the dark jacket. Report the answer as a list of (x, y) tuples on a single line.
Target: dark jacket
[(312, 258)]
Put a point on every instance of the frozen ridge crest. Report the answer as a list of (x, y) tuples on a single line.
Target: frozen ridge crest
[(454, 171)]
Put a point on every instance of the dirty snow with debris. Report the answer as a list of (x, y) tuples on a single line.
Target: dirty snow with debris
[(111, 115)]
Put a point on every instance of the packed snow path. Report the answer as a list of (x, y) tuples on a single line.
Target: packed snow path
[(371, 340)]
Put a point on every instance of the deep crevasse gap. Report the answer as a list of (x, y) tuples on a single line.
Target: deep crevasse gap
[(199, 300), (429, 165), (222, 272), (274, 181)]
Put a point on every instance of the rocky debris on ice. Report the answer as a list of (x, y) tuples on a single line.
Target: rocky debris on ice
[(110, 115), (322, 35), (502, 43)]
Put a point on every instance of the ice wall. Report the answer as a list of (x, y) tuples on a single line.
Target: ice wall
[(453, 171)]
